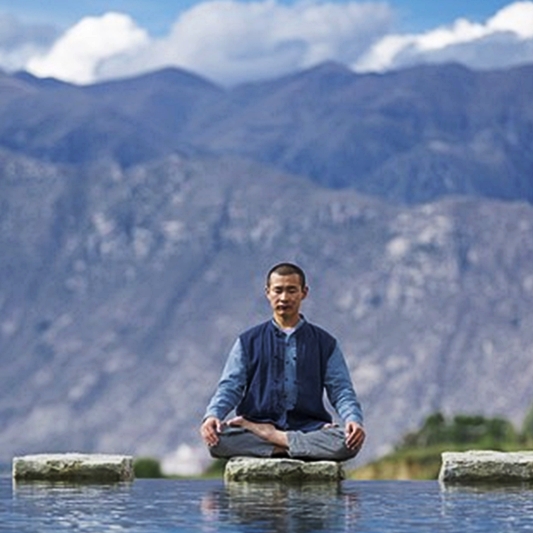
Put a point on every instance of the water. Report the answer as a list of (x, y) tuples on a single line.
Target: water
[(165, 506)]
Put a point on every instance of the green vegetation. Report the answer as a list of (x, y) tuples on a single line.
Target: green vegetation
[(147, 467), (150, 468), (418, 455), (484, 433), (527, 428), (216, 469)]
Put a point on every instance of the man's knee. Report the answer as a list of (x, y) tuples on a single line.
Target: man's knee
[(235, 442), (339, 450), (218, 452), (345, 454), (225, 448), (324, 445)]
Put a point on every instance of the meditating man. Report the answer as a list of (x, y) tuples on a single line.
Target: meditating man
[(275, 378)]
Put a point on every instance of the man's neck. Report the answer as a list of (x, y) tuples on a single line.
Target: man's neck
[(291, 322)]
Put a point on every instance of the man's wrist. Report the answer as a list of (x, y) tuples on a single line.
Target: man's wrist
[(210, 415)]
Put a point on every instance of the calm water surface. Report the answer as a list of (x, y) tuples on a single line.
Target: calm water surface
[(165, 506)]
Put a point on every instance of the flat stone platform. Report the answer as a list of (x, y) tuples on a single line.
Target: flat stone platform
[(281, 469), (73, 467), (486, 467)]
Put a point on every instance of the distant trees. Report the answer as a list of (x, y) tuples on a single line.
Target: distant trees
[(418, 454), (147, 467), (475, 431), (527, 428)]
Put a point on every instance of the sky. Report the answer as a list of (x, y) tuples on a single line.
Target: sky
[(236, 41)]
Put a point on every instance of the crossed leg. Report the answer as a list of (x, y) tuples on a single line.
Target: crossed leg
[(245, 438), (267, 432)]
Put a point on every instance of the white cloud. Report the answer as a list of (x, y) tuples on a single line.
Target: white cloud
[(226, 40), (78, 54), (516, 18), (230, 41), (503, 40)]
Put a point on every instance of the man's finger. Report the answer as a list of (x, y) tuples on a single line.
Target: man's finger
[(355, 437)]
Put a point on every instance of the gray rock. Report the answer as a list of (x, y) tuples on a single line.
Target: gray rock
[(94, 468), (486, 467), (274, 469)]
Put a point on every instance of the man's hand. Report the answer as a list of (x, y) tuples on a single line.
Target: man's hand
[(210, 430), (355, 435)]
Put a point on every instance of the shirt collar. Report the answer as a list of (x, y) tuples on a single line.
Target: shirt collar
[(300, 323)]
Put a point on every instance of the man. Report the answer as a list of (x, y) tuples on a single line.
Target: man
[(275, 377)]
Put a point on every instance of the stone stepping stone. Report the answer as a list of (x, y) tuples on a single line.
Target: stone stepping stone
[(281, 469), (73, 467), (486, 467)]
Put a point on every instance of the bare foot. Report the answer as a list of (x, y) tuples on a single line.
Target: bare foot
[(267, 432)]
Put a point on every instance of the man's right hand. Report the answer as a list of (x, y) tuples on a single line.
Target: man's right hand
[(210, 430)]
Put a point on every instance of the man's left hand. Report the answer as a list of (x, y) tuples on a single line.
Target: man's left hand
[(355, 435)]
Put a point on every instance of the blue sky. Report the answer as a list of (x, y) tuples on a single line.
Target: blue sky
[(233, 41), (158, 15)]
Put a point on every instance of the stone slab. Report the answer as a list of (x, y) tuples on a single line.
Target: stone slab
[(486, 467), (73, 467), (282, 469)]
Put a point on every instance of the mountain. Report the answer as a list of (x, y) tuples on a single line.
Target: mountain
[(378, 134), (124, 280)]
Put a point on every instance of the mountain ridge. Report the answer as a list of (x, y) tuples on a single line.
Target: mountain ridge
[(338, 128)]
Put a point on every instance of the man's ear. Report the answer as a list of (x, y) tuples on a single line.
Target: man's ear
[(305, 291)]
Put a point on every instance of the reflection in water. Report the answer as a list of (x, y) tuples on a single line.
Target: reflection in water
[(481, 506), (40, 489), (44, 506), (209, 506), (300, 508), (449, 489)]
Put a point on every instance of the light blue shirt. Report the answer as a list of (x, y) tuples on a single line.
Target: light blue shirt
[(338, 384)]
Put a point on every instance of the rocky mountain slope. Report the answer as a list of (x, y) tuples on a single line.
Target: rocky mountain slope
[(137, 220), (409, 136)]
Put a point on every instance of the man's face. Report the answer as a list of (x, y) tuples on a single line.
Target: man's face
[(285, 294)]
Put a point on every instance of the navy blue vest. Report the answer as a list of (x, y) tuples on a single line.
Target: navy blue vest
[(264, 354)]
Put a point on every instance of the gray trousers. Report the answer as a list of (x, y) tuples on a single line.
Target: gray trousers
[(322, 445)]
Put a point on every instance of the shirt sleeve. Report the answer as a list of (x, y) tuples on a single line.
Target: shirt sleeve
[(340, 390), (231, 385)]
